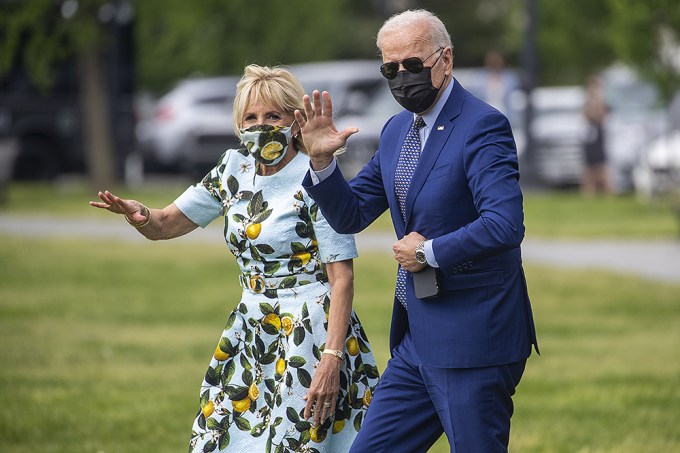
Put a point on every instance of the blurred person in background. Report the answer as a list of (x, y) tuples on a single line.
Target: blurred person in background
[(447, 170), (494, 84), (293, 349), (595, 174)]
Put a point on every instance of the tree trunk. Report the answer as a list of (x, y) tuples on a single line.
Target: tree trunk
[(96, 121)]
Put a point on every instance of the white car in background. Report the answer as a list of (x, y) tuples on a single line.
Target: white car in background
[(657, 173), (192, 125), (559, 130)]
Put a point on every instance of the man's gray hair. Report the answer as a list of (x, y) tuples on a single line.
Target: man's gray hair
[(439, 36)]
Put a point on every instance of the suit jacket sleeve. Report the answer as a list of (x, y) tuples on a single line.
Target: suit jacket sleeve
[(349, 207), (492, 172)]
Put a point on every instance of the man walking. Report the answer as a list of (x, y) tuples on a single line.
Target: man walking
[(447, 169)]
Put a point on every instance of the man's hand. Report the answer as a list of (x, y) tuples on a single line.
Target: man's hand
[(319, 134), (405, 252)]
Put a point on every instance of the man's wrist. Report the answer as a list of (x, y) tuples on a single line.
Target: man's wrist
[(420, 253), (320, 163)]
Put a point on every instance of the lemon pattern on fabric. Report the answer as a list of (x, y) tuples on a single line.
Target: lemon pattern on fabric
[(252, 394)]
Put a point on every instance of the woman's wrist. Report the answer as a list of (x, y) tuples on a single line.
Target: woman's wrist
[(143, 211), (337, 354)]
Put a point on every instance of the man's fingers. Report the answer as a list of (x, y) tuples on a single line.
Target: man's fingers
[(327, 104)]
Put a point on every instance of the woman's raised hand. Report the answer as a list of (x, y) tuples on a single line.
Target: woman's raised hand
[(132, 209), (319, 134)]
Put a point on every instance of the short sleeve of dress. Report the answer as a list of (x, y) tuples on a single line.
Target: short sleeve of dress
[(333, 246), (202, 203), (198, 204)]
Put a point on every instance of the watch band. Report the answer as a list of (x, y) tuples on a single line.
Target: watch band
[(420, 253)]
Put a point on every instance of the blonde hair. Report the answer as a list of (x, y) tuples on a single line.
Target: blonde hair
[(268, 85), (438, 35)]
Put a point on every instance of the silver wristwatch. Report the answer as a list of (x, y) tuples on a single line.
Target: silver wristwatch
[(420, 253)]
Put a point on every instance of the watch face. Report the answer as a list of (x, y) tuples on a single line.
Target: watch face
[(420, 256)]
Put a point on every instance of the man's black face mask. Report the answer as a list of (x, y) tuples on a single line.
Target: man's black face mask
[(414, 91)]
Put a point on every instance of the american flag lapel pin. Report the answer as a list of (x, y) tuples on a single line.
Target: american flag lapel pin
[(440, 128)]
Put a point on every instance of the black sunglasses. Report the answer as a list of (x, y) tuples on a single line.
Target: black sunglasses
[(413, 64)]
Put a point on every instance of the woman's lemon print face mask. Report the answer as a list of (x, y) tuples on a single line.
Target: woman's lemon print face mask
[(267, 144)]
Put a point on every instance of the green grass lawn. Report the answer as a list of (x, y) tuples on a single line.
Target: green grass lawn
[(559, 214), (104, 346)]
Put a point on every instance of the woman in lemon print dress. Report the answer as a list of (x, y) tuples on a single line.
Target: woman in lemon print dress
[(293, 369)]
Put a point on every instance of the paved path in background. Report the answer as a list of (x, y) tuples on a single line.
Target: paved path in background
[(653, 259)]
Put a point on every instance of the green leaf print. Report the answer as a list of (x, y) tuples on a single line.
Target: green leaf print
[(303, 425), (363, 346), (296, 361), (357, 421), (242, 423), (267, 358), (308, 325), (371, 371), (304, 377), (314, 211), (238, 218), (266, 308), (292, 415), (209, 446), (305, 310), (205, 397), (271, 385), (236, 392), (297, 247), (298, 335), (265, 248), (301, 230), (211, 376), (255, 204), (245, 363), (201, 421), (211, 423), (271, 267), (288, 282), (232, 185), (261, 217), (247, 377), (224, 440), (230, 322), (228, 372), (257, 430)]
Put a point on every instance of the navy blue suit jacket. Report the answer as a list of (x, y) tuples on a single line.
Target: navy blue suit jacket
[(465, 196)]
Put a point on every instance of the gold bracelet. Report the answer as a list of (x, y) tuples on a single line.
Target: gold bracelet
[(336, 353), (141, 224)]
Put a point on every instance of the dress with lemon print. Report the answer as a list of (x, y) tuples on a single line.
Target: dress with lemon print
[(263, 364)]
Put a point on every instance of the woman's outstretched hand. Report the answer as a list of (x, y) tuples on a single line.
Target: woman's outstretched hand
[(319, 134), (132, 209)]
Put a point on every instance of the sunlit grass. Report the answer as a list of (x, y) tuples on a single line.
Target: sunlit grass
[(104, 346)]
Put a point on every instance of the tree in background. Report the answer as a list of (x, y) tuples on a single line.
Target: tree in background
[(43, 33), (177, 39), (647, 35)]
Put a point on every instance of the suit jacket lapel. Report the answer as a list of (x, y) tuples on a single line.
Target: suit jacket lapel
[(439, 134)]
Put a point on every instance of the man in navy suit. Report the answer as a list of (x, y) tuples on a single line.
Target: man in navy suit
[(447, 169)]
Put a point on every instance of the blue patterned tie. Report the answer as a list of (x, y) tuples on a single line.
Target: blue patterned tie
[(408, 161)]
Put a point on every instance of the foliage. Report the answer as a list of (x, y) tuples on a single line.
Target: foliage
[(176, 39), (647, 35), (36, 34)]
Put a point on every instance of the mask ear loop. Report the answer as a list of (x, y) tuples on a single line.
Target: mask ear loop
[(296, 140)]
